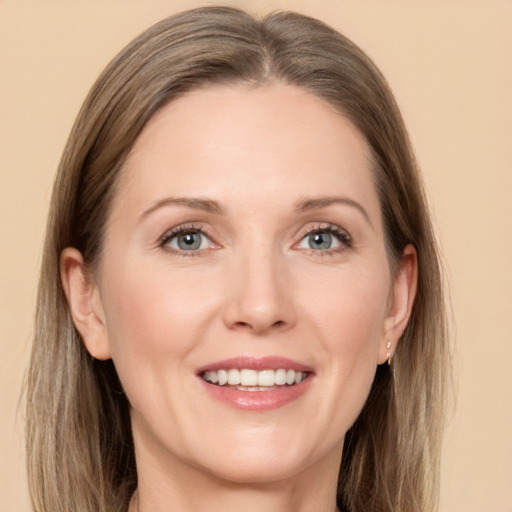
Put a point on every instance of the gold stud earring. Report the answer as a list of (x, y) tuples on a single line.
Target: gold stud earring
[(388, 346)]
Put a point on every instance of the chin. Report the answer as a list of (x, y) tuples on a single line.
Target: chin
[(262, 471), (261, 462)]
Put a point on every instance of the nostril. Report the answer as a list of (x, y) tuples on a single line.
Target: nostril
[(260, 327), (242, 325)]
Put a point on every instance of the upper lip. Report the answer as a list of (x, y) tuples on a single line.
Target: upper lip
[(256, 363)]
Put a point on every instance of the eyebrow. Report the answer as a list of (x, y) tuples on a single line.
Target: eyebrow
[(212, 206), (312, 203), (196, 203)]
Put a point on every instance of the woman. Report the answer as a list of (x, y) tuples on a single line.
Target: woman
[(249, 289)]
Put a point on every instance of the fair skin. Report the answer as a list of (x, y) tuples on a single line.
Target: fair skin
[(246, 226)]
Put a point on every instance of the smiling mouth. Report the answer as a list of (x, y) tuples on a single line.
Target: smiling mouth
[(246, 379)]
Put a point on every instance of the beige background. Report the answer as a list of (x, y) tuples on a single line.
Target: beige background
[(450, 64)]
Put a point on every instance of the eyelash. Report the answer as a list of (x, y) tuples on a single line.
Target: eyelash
[(342, 236), (182, 230)]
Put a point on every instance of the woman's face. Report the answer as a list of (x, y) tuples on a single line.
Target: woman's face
[(245, 242)]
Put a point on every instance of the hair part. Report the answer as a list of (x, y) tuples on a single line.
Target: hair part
[(80, 452)]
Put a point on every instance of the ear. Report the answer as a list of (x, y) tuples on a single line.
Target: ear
[(84, 303), (400, 303)]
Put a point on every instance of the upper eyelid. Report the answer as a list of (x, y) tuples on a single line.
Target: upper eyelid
[(324, 226)]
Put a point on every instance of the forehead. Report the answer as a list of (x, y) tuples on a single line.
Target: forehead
[(273, 141)]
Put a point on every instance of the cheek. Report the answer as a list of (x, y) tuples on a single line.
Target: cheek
[(151, 299), (154, 320), (348, 317), (350, 308)]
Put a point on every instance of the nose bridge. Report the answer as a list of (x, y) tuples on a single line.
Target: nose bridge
[(261, 290)]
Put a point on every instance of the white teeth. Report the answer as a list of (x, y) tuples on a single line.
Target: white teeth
[(255, 388), (280, 377), (223, 377), (233, 377), (246, 379), (266, 378)]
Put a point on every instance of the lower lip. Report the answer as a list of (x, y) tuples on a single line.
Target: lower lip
[(258, 400)]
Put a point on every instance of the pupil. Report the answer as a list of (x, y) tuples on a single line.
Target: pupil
[(189, 241), (320, 241)]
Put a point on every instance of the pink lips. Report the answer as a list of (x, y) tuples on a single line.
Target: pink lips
[(256, 363), (257, 400)]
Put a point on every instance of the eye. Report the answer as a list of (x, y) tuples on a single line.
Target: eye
[(319, 241), (187, 239), (325, 239)]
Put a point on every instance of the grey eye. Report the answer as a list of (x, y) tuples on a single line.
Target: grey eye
[(189, 241), (320, 240), (325, 239)]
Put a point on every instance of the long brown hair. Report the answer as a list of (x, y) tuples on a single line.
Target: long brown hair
[(80, 451)]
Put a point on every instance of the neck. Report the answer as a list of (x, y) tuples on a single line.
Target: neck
[(230, 500), (189, 489), (246, 501)]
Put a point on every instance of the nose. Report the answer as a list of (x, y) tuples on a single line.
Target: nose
[(261, 295)]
